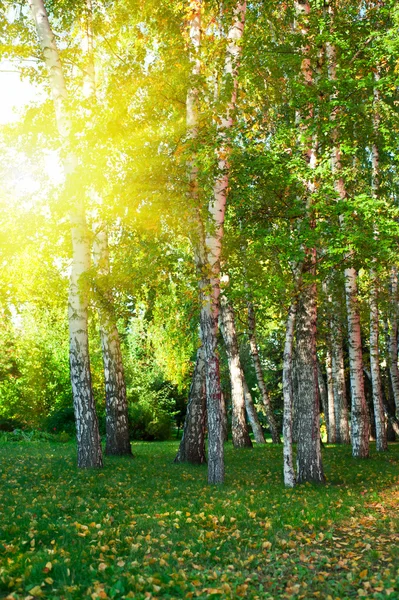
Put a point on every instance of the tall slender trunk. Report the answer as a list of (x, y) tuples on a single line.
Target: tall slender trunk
[(117, 421), (88, 437), (327, 397), (289, 472), (359, 413), (239, 428), (192, 444), (309, 463), (338, 377), (323, 394), (116, 407), (253, 415), (380, 429), (213, 245), (332, 429), (360, 421), (393, 338), (253, 345)]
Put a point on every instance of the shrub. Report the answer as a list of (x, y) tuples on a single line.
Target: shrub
[(21, 435), (62, 420), (9, 424), (149, 422)]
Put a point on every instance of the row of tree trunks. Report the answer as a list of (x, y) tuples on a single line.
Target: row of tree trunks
[(359, 416), (339, 387), (253, 345), (309, 460), (192, 444), (117, 422)]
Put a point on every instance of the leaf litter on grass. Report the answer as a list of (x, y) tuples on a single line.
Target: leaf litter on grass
[(150, 529)]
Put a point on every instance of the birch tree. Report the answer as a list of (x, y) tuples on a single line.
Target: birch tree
[(117, 424), (88, 437), (359, 414)]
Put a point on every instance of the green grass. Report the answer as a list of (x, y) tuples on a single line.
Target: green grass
[(147, 528)]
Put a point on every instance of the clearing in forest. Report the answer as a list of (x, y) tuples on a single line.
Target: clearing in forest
[(148, 528)]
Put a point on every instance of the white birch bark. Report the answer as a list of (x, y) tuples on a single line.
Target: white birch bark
[(309, 462), (289, 472), (331, 427), (88, 437), (393, 338), (192, 444), (253, 415), (213, 245), (253, 346), (239, 428), (360, 420), (338, 377), (380, 428), (359, 412), (117, 423), (116, 407)]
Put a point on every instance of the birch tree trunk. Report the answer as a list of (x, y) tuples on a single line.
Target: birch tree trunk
[(213, 245), (252, 415), (289, 472), (239, 427), (88, 437), (380, 429), (192, 444), (393, 339), (253, 345), (359, 414), (309, 463), (331, 427), (323, 394), (338, 377), (360, 421), (117, 423)]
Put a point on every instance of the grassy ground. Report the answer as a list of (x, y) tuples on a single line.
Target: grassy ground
[(147, 528)]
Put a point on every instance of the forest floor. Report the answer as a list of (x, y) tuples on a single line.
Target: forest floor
[(147, 528)]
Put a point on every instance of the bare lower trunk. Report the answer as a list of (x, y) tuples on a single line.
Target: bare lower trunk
[(393, 339), (252, 415), (380, 429), (359, 421), (117, 424), (88, 436), (322, 394), (359, 413), (289, 472), (192, 445), (213, 247), (225, 425), (213, 397), (340, 398), (309, 463), (259, 374), (331, 426), (239, 427)]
